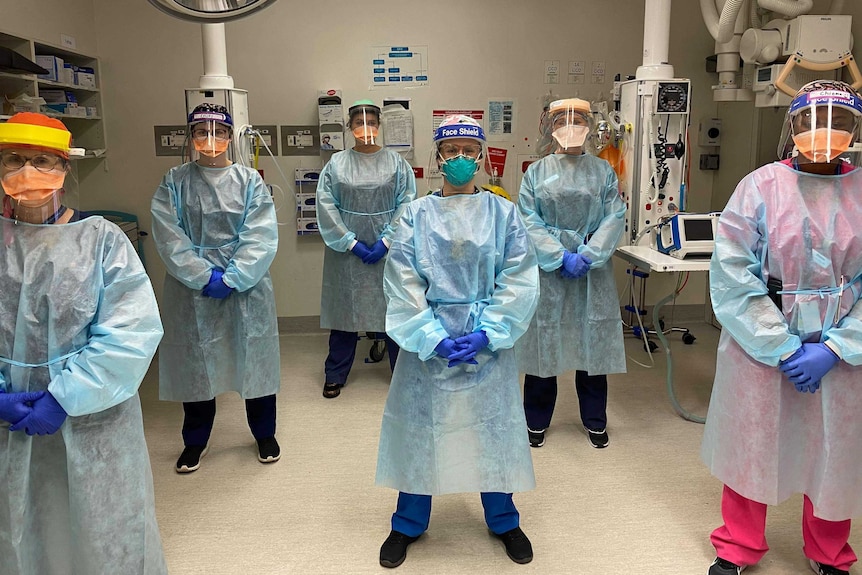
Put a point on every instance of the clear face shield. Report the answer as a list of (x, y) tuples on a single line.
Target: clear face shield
[(569, 127), (39, 186), (210, 138), (365, 125), (822, 127)]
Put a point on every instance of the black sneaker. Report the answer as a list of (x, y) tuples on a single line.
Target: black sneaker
[(722, 567), (518, 546), (822, 569), (537, 438), (268, 450), (190, 459), (598, 439), (393, 552)]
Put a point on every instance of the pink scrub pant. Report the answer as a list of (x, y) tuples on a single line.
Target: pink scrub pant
[(742, 538)]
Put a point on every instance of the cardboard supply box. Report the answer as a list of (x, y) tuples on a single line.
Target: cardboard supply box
[(306, 202), (57, 96), (53, 64), (85, 77), (67, 74), (306, 176), (306, 226)]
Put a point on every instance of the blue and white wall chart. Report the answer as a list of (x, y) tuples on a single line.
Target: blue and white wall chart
[(404, 66)]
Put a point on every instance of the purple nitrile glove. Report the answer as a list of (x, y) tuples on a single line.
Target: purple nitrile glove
[(360, 250), (447, 348), (575, 265), (16, 406), (216, 288), (806, 369), (378, 250), (46, 417)]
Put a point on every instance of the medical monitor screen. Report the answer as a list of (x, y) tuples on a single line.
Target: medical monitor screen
[(698, 230)]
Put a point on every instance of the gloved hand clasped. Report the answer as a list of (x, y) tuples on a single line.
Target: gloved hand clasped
[(447, 348), (16, 406), (360, 250), (807, 366), (378, 250), (472, 344), (45, 418), (575, 265), (217, 288)]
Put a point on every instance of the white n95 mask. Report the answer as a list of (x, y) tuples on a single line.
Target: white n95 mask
[(571, 136)]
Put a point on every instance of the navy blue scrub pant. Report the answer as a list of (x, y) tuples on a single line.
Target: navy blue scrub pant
[(200, 415), (413, 513), (540, 396), (342, 351)]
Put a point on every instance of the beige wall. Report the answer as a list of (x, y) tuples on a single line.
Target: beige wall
[(45, 20)]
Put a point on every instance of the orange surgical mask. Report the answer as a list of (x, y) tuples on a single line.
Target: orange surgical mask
[(365, 134), (29, 185), (823, 144), (211, 147)]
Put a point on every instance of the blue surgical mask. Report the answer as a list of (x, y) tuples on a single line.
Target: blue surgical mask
[(459, 170)]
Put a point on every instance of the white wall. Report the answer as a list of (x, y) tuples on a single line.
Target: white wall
[(45, 20), (285, 54)]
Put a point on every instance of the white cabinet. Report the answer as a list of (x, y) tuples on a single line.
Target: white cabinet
[(86, 122)]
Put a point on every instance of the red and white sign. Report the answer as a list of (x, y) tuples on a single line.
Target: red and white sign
[(418, 172), (438, 115), (496, 160)]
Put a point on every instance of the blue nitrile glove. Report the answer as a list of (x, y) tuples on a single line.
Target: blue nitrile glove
[(575, 265), (360, 250), (217, 288), (16, 406), (807, 369), (46, 417), (378, 250), (473, 343), (447, 348)]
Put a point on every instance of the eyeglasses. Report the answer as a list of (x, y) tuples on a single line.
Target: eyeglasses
[(840, 121), (451, 150), (220, 134), (569, 119), (42, 162)]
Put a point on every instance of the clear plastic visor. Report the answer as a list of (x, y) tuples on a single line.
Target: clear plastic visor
[(210, 138), (365, 126), (821, 133), (38, 186)]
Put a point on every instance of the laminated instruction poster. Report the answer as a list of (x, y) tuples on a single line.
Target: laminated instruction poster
[(501, 119), (400, 66)]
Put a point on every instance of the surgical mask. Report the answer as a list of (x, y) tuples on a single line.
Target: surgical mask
[(28, 184), (823, 144), (365, 134), (459, 170), (211, 147), (571, 136)]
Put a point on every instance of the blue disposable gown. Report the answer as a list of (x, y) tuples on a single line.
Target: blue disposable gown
[(80, 320), (458, 264), (764, 439), (359, 197), (206, 218), (573, 203)]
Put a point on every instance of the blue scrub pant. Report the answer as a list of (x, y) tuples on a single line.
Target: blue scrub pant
[(342, 351), (413, 513), (200, 415), (540, 396)]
